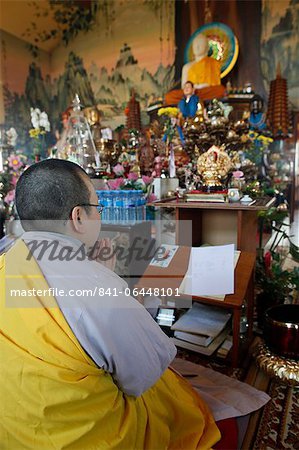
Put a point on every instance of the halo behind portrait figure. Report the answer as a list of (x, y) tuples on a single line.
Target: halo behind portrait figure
[(222, 45)]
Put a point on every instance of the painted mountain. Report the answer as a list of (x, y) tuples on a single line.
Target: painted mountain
[(95, 86), (112, 91), (280, 44)]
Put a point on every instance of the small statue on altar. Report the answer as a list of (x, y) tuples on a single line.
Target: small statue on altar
[(157, 167), (257, 118), (61, 149), (213, 166), (147, 156), (93, 116)]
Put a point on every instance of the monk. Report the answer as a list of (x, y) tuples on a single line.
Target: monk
[(82, 372), (204, 72)]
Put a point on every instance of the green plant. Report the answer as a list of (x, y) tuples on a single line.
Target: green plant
[(275, 283)]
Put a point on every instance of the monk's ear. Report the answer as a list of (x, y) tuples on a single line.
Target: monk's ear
[(76, 219)]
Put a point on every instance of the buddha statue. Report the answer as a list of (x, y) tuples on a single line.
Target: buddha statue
[(93, 116), (204, 72)]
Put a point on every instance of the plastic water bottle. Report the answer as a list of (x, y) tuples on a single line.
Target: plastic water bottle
[(131, 206), (140, 206), (103, 201), (109, 206), (118, 207), (126, 205)]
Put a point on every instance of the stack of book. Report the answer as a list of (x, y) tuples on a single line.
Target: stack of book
[(197, 196), (203, 328), (224, 349)]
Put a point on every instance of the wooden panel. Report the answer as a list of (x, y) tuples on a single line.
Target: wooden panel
[(188, 227), (247, 230)]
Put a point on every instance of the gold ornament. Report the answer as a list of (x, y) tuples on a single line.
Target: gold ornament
[(287, 370), (213, 165)]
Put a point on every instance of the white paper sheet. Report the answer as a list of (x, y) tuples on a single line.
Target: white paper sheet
[(225, 396), (210, 271)]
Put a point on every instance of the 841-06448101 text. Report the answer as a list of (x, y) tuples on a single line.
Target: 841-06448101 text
[(157, 292)]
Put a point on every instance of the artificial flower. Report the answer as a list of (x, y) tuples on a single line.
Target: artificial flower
[(10, 196), (118, 169), (11, 135), (151, 198), (132, 176), (14, 162), (39, 119), (169, 111), (238, 174), (34, 133), (116, 184), (267, 262), (147, 180)]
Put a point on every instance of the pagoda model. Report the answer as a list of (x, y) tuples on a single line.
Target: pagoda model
[(277, 115), (133, 121)]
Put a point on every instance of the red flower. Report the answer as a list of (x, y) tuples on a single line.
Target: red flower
[(267, 262)]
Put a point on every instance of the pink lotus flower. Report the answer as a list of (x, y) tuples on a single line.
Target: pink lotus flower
[(118, 169), (151, 198), (147, 180), (14, 180), (116, 184), (14, 162), (238, 174), (132, 176), (10, 196)]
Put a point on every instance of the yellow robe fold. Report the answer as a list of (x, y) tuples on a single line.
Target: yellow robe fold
[(207, 70), (53, 396)]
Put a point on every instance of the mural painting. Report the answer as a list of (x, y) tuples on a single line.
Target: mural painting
[(280, 44), (126, 45)]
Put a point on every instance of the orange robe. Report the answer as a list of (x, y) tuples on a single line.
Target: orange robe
[(53, 396), (207, 70)]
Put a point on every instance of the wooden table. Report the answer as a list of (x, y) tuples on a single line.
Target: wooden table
[(245, 221), (171, 277)]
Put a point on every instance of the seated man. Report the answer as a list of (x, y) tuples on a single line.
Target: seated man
[(84, 366), (188, 104), (204, 72)]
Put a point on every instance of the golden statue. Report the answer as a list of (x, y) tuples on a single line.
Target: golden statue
[(93, 116), (107, 148), (213, 166)]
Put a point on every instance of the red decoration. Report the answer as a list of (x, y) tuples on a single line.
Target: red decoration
[(278, 115), (133, 114)]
